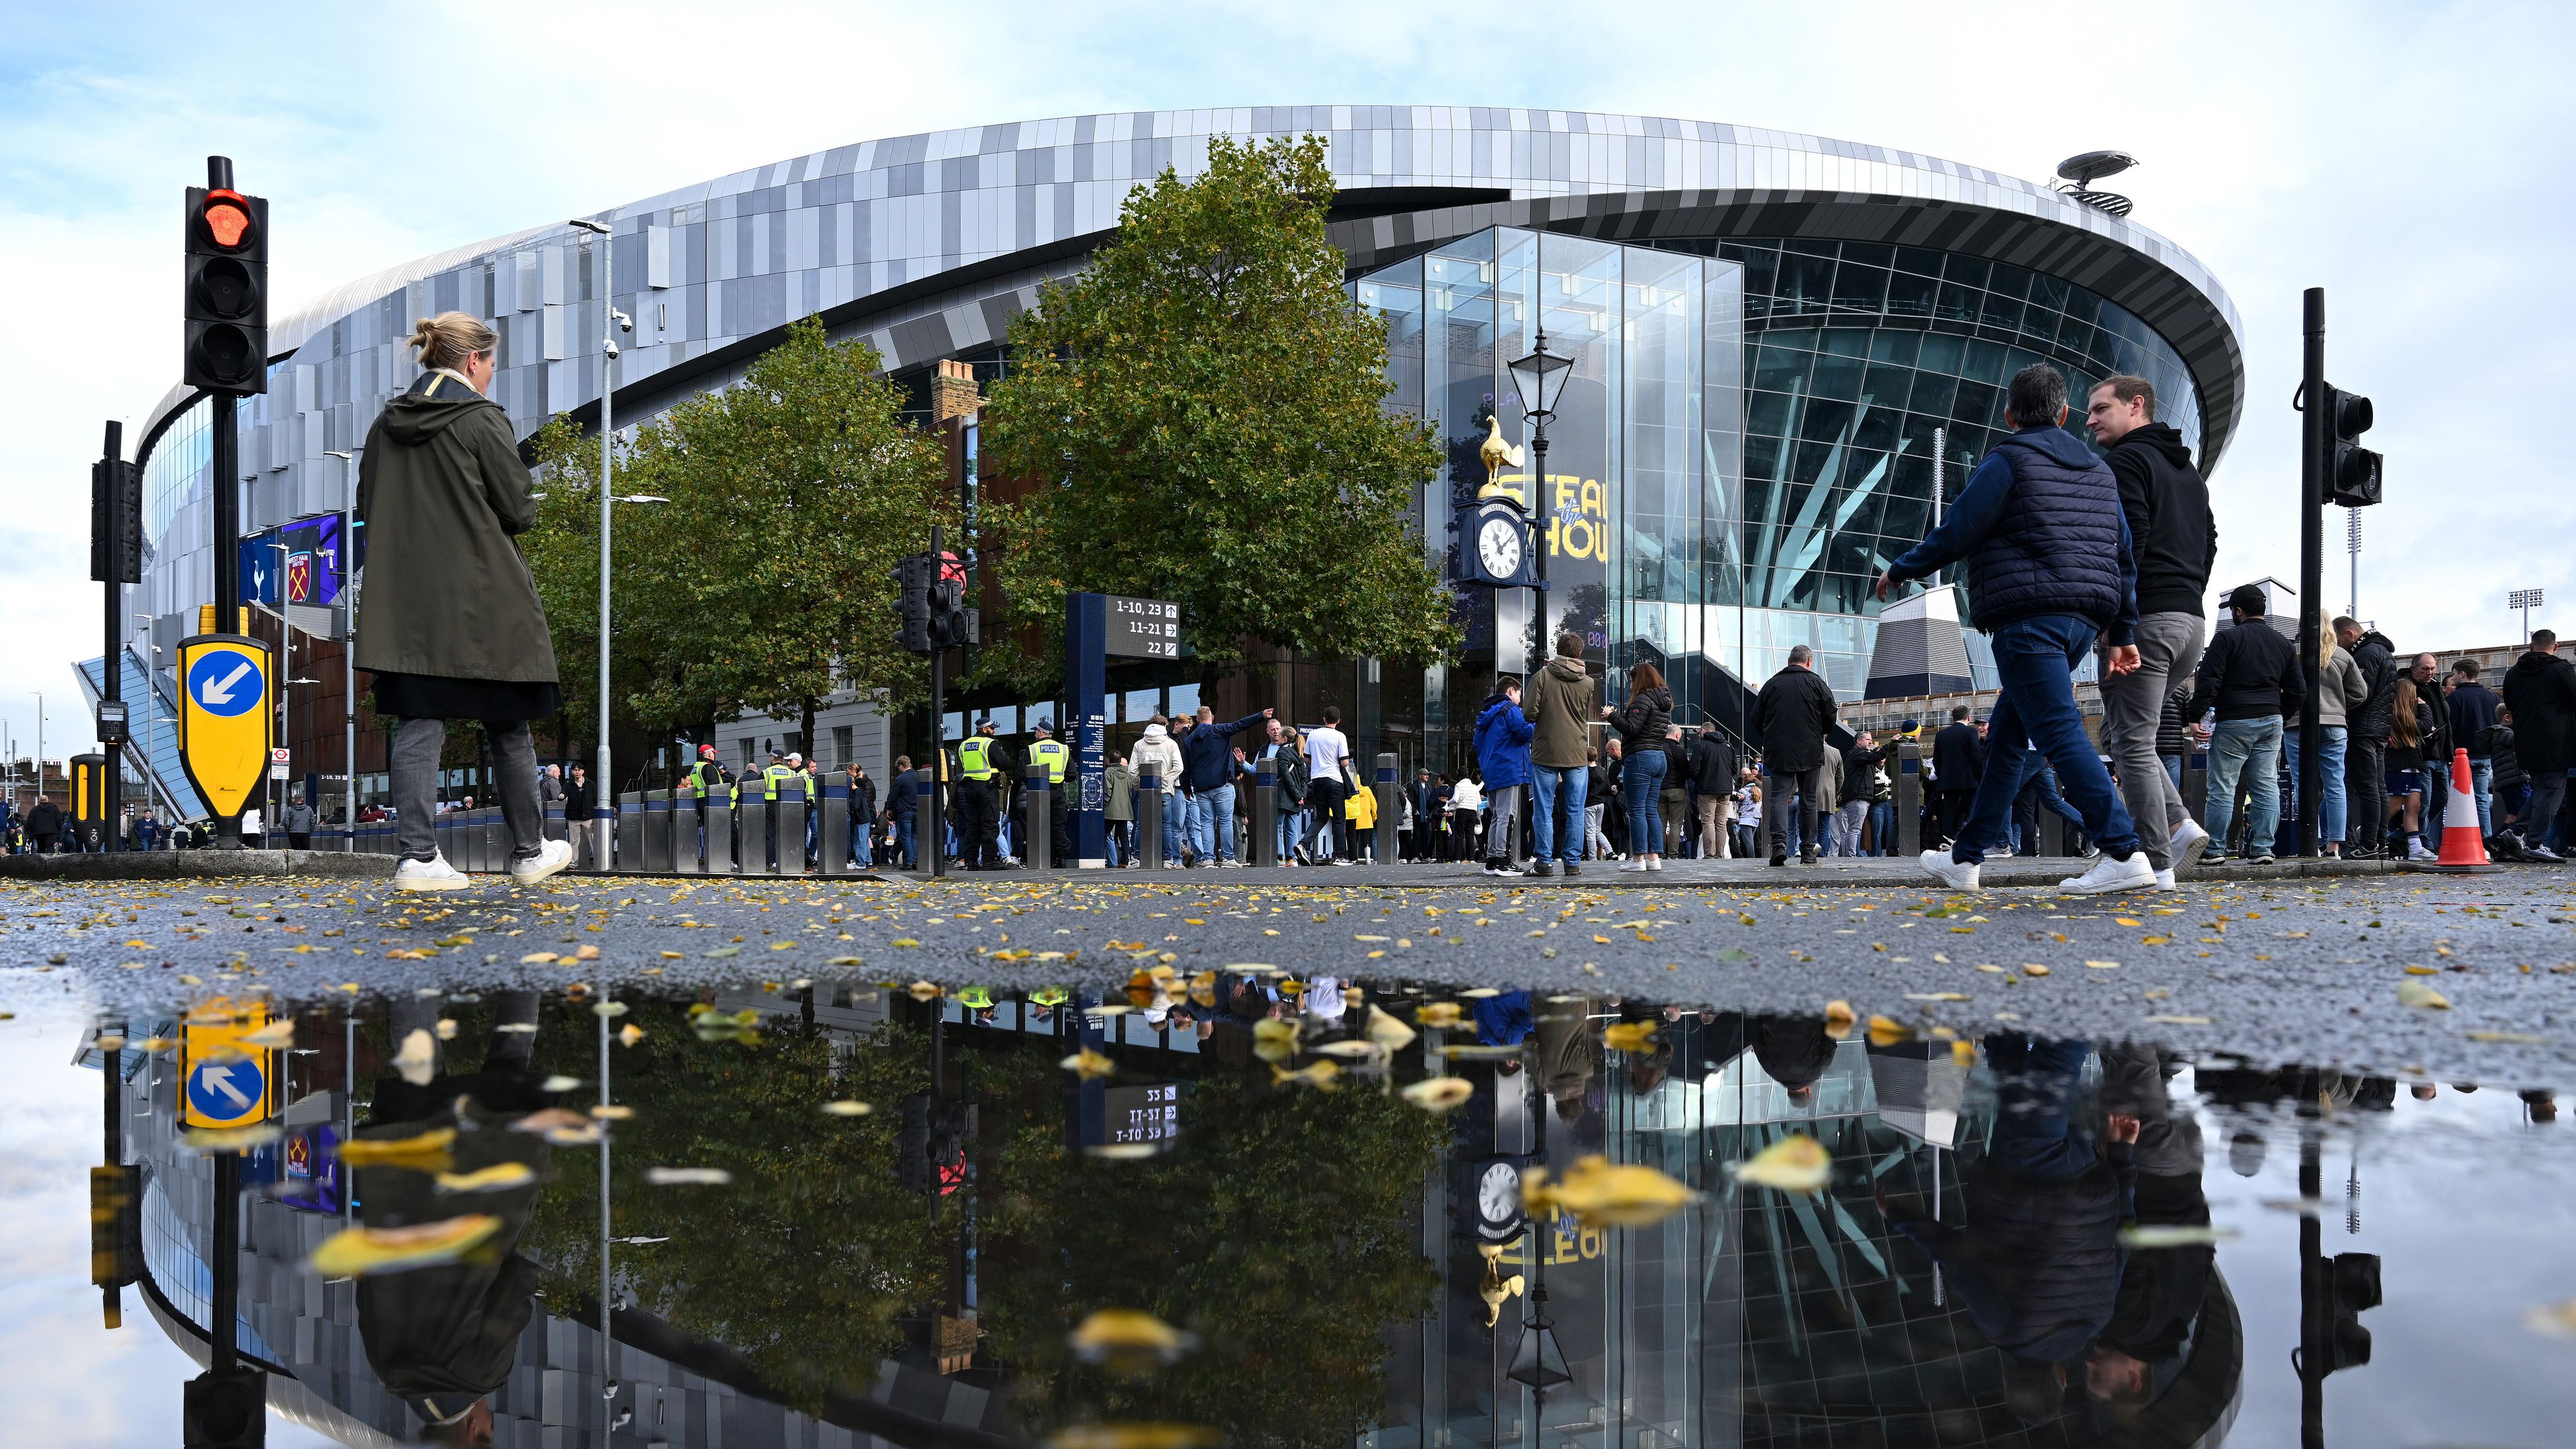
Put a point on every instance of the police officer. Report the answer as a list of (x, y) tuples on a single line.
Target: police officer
[(1049, 751), (982, 765), (811, 774), (709, 781)]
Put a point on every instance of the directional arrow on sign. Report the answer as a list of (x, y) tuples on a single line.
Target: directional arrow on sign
[(221, 692)]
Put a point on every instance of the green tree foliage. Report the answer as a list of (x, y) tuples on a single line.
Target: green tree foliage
[(1202, 409), (766, 583)]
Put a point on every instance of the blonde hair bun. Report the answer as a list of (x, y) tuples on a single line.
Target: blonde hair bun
[(449, 338)]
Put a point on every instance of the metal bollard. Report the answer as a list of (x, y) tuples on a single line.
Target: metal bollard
[(659, 832), (1149, 818), (790, 810), (1909, 798), (1390, 810), (751, 828), (496, 839), (2195, 785), (685, 838), (442, 834), (930, 850), (1265, 813), (719, 822), (2052, 833), (555, 821), (630, 832), (834, 836), (1037, 821)]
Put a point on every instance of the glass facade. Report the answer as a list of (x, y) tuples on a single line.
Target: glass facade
[(1752, 433)]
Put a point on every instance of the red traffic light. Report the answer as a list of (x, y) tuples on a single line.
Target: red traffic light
[(226, 219)]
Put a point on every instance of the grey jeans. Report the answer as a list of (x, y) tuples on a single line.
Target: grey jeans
[(1503, 822), (1851, 816), (417, 746), (1809, 786), (2133, 705)]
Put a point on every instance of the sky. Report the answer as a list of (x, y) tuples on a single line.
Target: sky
[(2409, 159)]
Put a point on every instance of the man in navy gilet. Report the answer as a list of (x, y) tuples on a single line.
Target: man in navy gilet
[(2050, 574)]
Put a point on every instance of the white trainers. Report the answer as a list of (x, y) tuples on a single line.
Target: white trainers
[(1632, 867), (2188, 838), (2165, 880), (2108, 875), (2415, 851), (1958, 877), (433, 874), (552, 857)]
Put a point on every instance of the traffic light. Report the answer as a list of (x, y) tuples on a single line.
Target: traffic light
[(914, 578), (115, 523), (225, 1409), (952, 624), (226, 297), (2352, 1286), (2352, 471)]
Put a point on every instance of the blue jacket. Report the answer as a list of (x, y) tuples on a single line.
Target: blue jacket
[(1503, 742), (1207, 754), (2043, 533)]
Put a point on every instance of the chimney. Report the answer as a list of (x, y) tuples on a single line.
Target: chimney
[(952, 392)]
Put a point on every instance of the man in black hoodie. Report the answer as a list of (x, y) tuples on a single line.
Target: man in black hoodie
[(2540, 689), (2174, 538), (2366, 764), (2250, 675)]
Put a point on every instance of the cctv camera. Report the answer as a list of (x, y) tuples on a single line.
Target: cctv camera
[(611, 349), (624, 322)]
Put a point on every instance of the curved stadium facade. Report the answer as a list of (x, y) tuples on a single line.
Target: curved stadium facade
[(1774, 333)]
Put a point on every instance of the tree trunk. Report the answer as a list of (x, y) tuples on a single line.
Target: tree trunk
[(813, 750)]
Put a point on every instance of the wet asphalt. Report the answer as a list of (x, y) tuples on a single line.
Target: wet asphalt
[(2277, 972)]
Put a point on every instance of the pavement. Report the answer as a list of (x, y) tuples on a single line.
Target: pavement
[(2275, 970)]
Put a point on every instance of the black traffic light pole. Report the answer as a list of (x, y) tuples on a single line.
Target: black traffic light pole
[(112, 519), (2316, 451), (932, 830)]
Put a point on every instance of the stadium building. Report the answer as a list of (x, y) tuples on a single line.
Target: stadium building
[(1785, 346)]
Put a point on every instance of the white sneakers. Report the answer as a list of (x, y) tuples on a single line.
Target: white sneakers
[(2415, 851), (552, 857), (2108, 875), (2165, 880), (1938, 865), (1633, 867), (433, 874), (2188, 838)]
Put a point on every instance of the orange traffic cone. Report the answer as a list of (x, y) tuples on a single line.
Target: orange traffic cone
[(2464, 851)]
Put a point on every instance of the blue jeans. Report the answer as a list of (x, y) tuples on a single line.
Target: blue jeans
[(1176, 826), (2482, 779), (2035, 663), (1212, 823), (1548, 785), (2173, 770), (2035, 1084), (2333, 808), (1641, 780), (1291, 829), (2251, 748), (903, 834), (1882, 825)]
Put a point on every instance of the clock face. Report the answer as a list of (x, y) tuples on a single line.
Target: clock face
[(1498, 545), (1498, 1193)]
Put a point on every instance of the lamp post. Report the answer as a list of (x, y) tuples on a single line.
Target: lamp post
[(348, 648), (603, 802), (2526, 600), (1540, 380)]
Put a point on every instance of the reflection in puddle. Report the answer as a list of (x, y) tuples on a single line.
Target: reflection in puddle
[(1269, 1211)]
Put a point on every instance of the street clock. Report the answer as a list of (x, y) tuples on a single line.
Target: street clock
[(1498, 546)]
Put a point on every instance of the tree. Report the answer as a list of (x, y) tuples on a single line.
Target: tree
[(766, 582), (1201, 410)]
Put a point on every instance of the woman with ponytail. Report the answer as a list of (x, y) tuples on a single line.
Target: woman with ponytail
[(448, 618)]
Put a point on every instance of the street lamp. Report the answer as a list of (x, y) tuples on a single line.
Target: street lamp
[(1540, 380), (348, 648), (2526, 600), (603, 804)]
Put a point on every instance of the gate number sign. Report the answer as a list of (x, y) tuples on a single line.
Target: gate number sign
[(1143, 628)]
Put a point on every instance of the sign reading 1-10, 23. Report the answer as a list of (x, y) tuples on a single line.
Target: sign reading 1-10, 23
[(1143, 628)]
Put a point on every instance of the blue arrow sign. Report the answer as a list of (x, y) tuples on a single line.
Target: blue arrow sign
[(227, 1091), (226, 682)]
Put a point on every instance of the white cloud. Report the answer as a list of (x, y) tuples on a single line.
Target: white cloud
[(2408, 158)]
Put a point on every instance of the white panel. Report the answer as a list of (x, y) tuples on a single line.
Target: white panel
[(657, 256), (528, 293), (551, 274), (558, 331)]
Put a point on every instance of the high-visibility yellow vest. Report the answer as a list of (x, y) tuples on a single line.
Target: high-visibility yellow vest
[(1050, 753), (975, 758), (769, 779), (708, 777)]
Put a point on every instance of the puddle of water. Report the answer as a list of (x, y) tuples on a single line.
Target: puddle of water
[(2013, 1241)]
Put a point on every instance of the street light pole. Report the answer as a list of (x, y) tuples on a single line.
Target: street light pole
[(348, 562), (2526, 600), (603, 802)]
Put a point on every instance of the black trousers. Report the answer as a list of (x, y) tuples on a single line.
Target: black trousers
[(2365, 794), (979, 825), (1955, 805)]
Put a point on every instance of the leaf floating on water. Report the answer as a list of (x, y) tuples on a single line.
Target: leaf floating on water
[(922, 990), (629, 1034), (2421, 996), (447, 1028), (232, 1139), (1089, 1065), (1439, 1094), (1388, 1032), (1128, 1341), (561, 1083), (1601, 1195), (418, 1059), (549, 1119), (608, 1008), (423, 1152), (276, 1036), (1274, 1040), (1963, 1053), (586, 953), (1839, 1019), (586, 1136), (2033, 969), (1735, 953), (1350, 1050), (1479, 993), (1437, 1013), (1884, 1032), (688, 1176), (1629, 1036), (1795, 1163), (2173, 1235), (1479, 1052), (1320, 1074), (499, 1177), (1122, 1151), (847, 1107), (613, 1112), (1136, 1436), (2553, 1318), (356, 1252), (529, 1027)]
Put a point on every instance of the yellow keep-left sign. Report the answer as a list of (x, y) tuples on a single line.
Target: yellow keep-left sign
[(223, 1082), (224, 718)]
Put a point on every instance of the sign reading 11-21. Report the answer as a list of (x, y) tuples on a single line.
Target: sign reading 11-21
[(1143, 628)]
